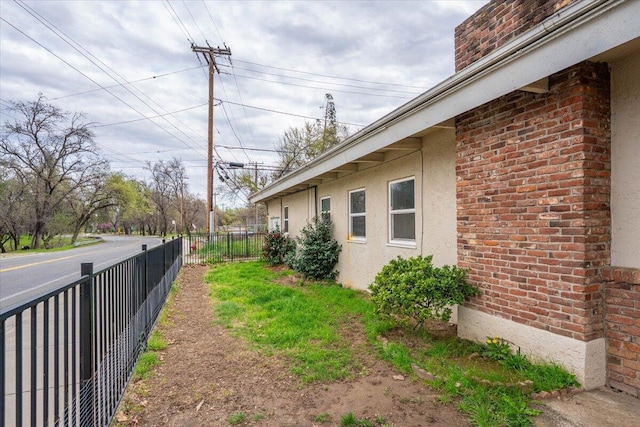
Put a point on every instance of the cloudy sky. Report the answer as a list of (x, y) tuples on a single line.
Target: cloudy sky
[(130, 68)]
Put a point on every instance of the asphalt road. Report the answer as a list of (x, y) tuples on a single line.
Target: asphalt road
[(24, 276)]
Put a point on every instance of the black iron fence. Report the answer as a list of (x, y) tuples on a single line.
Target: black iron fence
[(222, 247), (67, 356)]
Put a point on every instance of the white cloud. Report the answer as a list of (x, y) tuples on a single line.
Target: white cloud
[(399, 42)]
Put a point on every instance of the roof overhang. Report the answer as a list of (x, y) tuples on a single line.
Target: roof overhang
[(581, 31)]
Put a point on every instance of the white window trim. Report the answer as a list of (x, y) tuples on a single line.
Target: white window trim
[(401, 242), (325, 198), (352, 238)]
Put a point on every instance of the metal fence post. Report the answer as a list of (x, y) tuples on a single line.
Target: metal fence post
[(145, 276), (164, 256), (87, 367)]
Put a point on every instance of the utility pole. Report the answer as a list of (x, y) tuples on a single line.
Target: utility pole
[(209, 53), (255, 166)]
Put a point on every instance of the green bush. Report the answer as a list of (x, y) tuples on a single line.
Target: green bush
[(276, 247), (413, 288), (317, 253)]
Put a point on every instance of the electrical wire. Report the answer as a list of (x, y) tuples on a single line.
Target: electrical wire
[(325, 82), (42, 21), (326, 89), (329, 76)]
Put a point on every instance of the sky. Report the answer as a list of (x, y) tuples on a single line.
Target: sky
[(129, 67)]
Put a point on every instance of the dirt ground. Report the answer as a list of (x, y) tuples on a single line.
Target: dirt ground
[(208, 376)]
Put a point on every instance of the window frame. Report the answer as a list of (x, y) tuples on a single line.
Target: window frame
[(357, 215), (392, 212), (285, 219), (323, 212)]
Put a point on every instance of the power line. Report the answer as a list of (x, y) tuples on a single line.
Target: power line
[(332, 77), (283, 112), (326, 82), (150, 117), (127, 82), (34, 13), (322, 88)]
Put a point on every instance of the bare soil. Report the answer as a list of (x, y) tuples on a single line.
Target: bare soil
[(207, 376)]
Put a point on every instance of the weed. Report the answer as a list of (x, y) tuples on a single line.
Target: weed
[(156, 342), (497, 349), (237, 418), (258, 417), (146, 362), (350, 420), (322, 418)]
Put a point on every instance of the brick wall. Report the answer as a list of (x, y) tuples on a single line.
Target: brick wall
[(498, 22), (622, 329), (533, 184)]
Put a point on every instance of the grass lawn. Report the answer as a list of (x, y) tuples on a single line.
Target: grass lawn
[(59, 243), (309, 323)]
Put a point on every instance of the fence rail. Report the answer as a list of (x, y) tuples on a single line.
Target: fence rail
[(67, 356), (222, 247)]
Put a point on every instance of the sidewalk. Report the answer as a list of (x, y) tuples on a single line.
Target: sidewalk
[(596, 408)]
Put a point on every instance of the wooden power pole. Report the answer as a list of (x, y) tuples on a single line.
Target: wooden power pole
[(209, 53)]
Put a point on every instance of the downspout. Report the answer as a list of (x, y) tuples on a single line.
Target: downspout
[(315, 201)]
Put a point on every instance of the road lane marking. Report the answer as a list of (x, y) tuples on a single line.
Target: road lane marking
[(35, 288), (2, 270)]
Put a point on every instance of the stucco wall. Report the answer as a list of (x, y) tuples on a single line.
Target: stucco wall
[(299, 210), (434, 173), (625, 162)]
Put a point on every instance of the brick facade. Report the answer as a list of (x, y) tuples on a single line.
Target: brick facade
[(623, 328), (533, 187), (497, 23)]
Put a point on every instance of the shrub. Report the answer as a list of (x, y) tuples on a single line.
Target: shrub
[(413, 288), (317, 253), (276, 247)]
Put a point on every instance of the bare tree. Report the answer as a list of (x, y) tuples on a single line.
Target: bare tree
[(301, 145), (13, 219), (168, 191), (53, 153)]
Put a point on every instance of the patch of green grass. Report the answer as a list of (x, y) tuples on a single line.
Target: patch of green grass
[(549, 376), (258, 417), (322, 418), (156, 341), (237, 418), (58, 243), (145, 364), (350, 420), (302, 323)]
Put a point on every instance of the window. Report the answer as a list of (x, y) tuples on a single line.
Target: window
[(402, 211), (325, 207), (285, 219), (357, 215)]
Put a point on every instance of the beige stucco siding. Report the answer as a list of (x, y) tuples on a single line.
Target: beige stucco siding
[(433, 168), (625, 162), (361, 261), (440, 198), (301, 210)]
